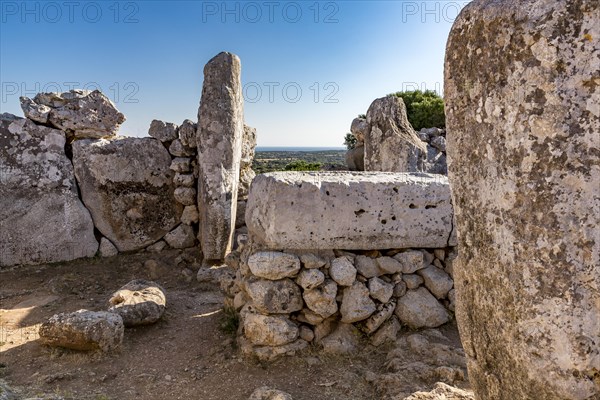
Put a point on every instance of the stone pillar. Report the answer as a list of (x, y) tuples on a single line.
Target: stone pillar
[(219, 140), (523, 118)]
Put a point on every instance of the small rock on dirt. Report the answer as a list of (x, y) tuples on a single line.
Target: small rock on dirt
[(139, 302), (266, 393)]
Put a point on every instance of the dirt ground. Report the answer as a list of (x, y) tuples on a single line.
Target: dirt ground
[(186, 355)]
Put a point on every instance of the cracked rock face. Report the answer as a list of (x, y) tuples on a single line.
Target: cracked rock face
[(370, 210), (41, 217), (524, 167), (80, 113), (127, 185)]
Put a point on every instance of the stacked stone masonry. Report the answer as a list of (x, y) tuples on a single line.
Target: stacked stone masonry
[(290, 292)]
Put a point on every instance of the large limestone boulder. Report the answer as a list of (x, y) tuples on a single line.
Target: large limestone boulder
[(128, 187), (80, 113), (323, 210), (219, 140), (83, 330), (41, 217), (391, 144), (524, 167)]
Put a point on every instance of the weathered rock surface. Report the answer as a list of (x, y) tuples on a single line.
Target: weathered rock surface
[(310, 278), (41, 217), (437, 281), (163, 131), (391, 144), (189, 215), (367, 266), (274, 265), (139, 302), (270, 353), (310, 260), (442, 391), (246, 172), (356, 303), (342, 271), (355, 158), (127, 185), (412, 281), (177, 149), (411, 261), (266, 393), (383, 313), (370, 210), (380, 290), (269, 330), (387, 333), (181, 237), (187, 133), (219, 140), (107, 249), (419, 309), (343, 340), (524, 166), (388, 265), (79, 113), (275, 297), (359, 128), (185, 195), (321, 299), (83, 330)]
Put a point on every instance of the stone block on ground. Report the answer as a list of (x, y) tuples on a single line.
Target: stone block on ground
[(83, 330)]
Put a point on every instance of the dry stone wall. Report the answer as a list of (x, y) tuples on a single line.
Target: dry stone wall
[(326, 279)]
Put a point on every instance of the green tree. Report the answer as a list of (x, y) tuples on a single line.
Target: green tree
[(424, 109), (349, 141), (301, 165)]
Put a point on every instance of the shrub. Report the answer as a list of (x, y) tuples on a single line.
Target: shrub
[(301, 165), (349, 141), (424, 109)]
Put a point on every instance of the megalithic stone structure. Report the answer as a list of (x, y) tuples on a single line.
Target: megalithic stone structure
[(522, 95), (219, 140)]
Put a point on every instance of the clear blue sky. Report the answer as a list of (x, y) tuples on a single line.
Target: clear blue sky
[(148, 56)]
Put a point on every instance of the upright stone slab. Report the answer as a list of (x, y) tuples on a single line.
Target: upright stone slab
[(391, 144), (41, 217), (127, 185), (219, 140), (350, 210), (523, 116)]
